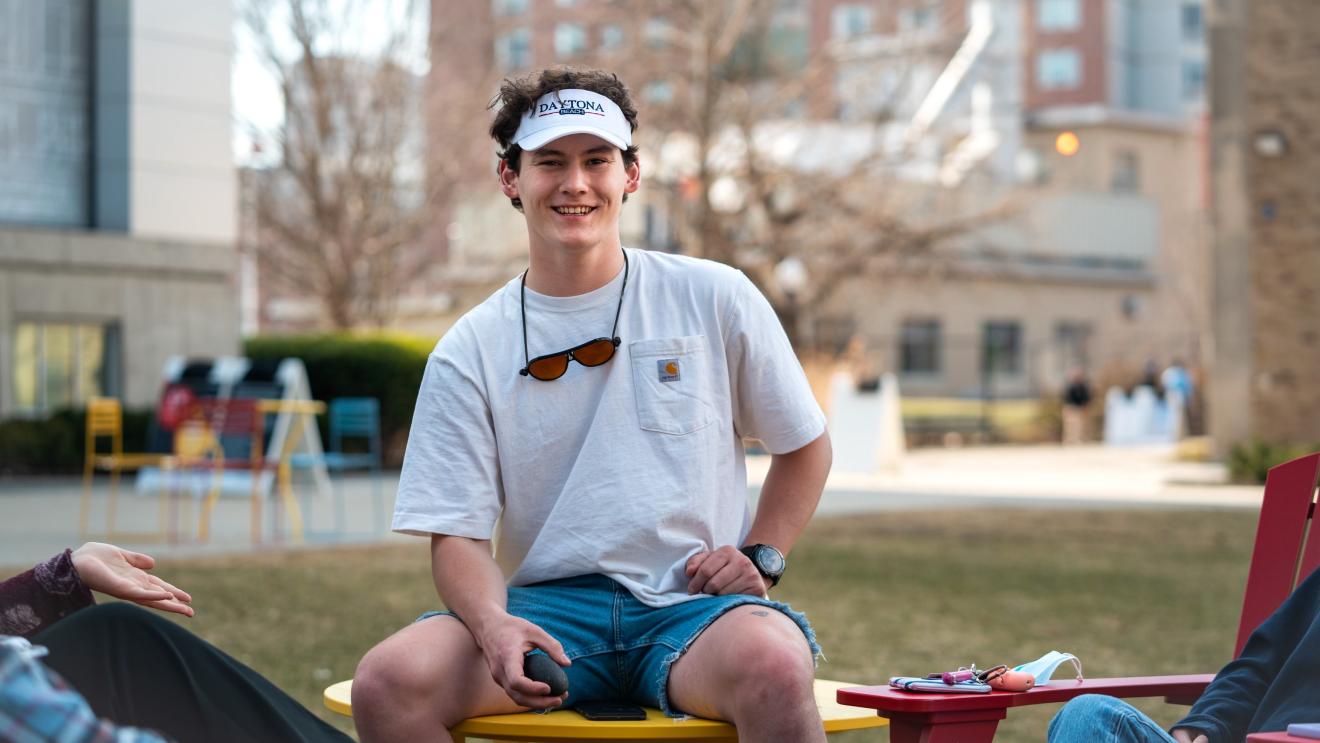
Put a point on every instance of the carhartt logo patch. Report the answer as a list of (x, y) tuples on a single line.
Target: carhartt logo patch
[(668, 370)]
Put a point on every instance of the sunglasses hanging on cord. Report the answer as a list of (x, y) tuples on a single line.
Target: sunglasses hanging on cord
[(595, 352)]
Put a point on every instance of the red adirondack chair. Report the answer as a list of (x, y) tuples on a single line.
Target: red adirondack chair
[(1286, 516)]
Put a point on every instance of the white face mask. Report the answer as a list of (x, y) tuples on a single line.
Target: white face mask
[(1043, 667)]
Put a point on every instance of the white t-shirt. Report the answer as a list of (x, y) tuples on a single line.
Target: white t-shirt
[(625, 469)]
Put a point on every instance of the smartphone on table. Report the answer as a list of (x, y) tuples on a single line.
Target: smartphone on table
[(610, 710)]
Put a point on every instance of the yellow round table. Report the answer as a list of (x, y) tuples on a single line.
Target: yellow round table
[(566, 725)]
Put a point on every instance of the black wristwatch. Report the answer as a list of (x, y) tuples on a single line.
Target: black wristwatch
[(768, 561)]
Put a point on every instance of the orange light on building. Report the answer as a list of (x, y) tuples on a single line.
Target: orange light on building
[(1067, 144)]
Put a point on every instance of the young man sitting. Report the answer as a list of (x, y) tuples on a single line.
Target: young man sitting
[(614, 466)]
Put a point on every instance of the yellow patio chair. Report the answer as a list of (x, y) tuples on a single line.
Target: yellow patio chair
[(196, 450), (105, 419), (568, 726)]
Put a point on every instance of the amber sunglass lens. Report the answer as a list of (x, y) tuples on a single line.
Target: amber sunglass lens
[(595, 354), (549, 368)]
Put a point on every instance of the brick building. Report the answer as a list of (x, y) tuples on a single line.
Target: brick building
[(1104, 264), (1265, 105)]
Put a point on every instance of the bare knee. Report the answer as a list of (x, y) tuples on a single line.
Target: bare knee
[(395, 680), (385, 676), (773, 674), (430, 675)]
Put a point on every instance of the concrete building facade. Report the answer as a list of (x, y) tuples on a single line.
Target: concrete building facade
[(117, 212)]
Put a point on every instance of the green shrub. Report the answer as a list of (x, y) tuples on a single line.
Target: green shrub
[(1250, 462), (385, 366), (54, 445)]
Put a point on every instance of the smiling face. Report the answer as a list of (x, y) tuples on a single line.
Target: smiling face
[(571, 191)]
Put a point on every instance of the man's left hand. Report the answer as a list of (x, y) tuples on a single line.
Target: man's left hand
[(723, 572)]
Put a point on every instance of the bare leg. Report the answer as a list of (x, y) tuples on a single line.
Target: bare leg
[(423, 680), (751, 667)]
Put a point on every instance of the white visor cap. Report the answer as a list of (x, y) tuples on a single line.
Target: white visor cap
[(564, 112)]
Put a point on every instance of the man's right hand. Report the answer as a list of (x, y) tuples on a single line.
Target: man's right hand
[(1184, 735), (505, 643)]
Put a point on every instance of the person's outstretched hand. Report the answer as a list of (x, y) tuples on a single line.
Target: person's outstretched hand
[(1184, 735), (123, 574)]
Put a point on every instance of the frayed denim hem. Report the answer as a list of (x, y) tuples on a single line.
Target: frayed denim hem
[(798, 617)]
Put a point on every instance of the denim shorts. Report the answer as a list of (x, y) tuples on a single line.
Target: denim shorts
[(620, 647)]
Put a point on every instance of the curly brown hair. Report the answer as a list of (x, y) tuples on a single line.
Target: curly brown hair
[(518, 95)]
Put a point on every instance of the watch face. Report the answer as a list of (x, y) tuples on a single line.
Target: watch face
[(769, 560)]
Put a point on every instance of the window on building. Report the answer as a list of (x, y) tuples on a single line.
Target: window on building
[(508, 7), (60, 365), (45, 117), (832, 334), (1193, 80), (918, 20), (1126, 175), (513, 50), (1001, 348), (790, 12), (1058, 15), (850, 21), (658, 32), (919, 347), (788, 47), (1072, 346), (567, 3), (1193, 22), (1058, 68), (570, 40), (658, 91), (611, 37)]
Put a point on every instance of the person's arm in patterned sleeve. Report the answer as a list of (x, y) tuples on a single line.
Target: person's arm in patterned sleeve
[(36, 599)]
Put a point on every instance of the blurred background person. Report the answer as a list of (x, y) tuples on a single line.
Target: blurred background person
[(1076, 402)]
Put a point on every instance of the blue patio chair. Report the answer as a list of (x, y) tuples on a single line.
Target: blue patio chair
[(352, 418)]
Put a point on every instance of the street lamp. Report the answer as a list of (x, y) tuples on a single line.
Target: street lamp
[(791, 277), (1270, 143)]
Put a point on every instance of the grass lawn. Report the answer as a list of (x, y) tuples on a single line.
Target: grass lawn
[(1129, 592)]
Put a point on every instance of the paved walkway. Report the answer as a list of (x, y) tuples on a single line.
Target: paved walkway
[(1089, 476), (40, 517)]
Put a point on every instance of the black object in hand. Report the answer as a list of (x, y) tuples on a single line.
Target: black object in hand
[(539, 667)]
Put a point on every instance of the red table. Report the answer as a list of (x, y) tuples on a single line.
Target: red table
[(916, 717)]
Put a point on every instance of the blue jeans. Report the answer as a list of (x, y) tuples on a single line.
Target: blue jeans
[(1096, 718), (620, 647)]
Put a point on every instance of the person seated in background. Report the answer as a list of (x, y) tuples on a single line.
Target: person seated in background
[(115, 672), (1076, 400), (1271, 685)]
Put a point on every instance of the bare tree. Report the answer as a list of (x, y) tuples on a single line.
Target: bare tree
[(340, 213), (824, 210)]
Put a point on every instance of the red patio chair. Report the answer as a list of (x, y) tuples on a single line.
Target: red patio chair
[(240, 425), (1278, 564)]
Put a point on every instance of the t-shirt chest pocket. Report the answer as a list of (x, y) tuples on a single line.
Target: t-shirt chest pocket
[(671, 377)]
